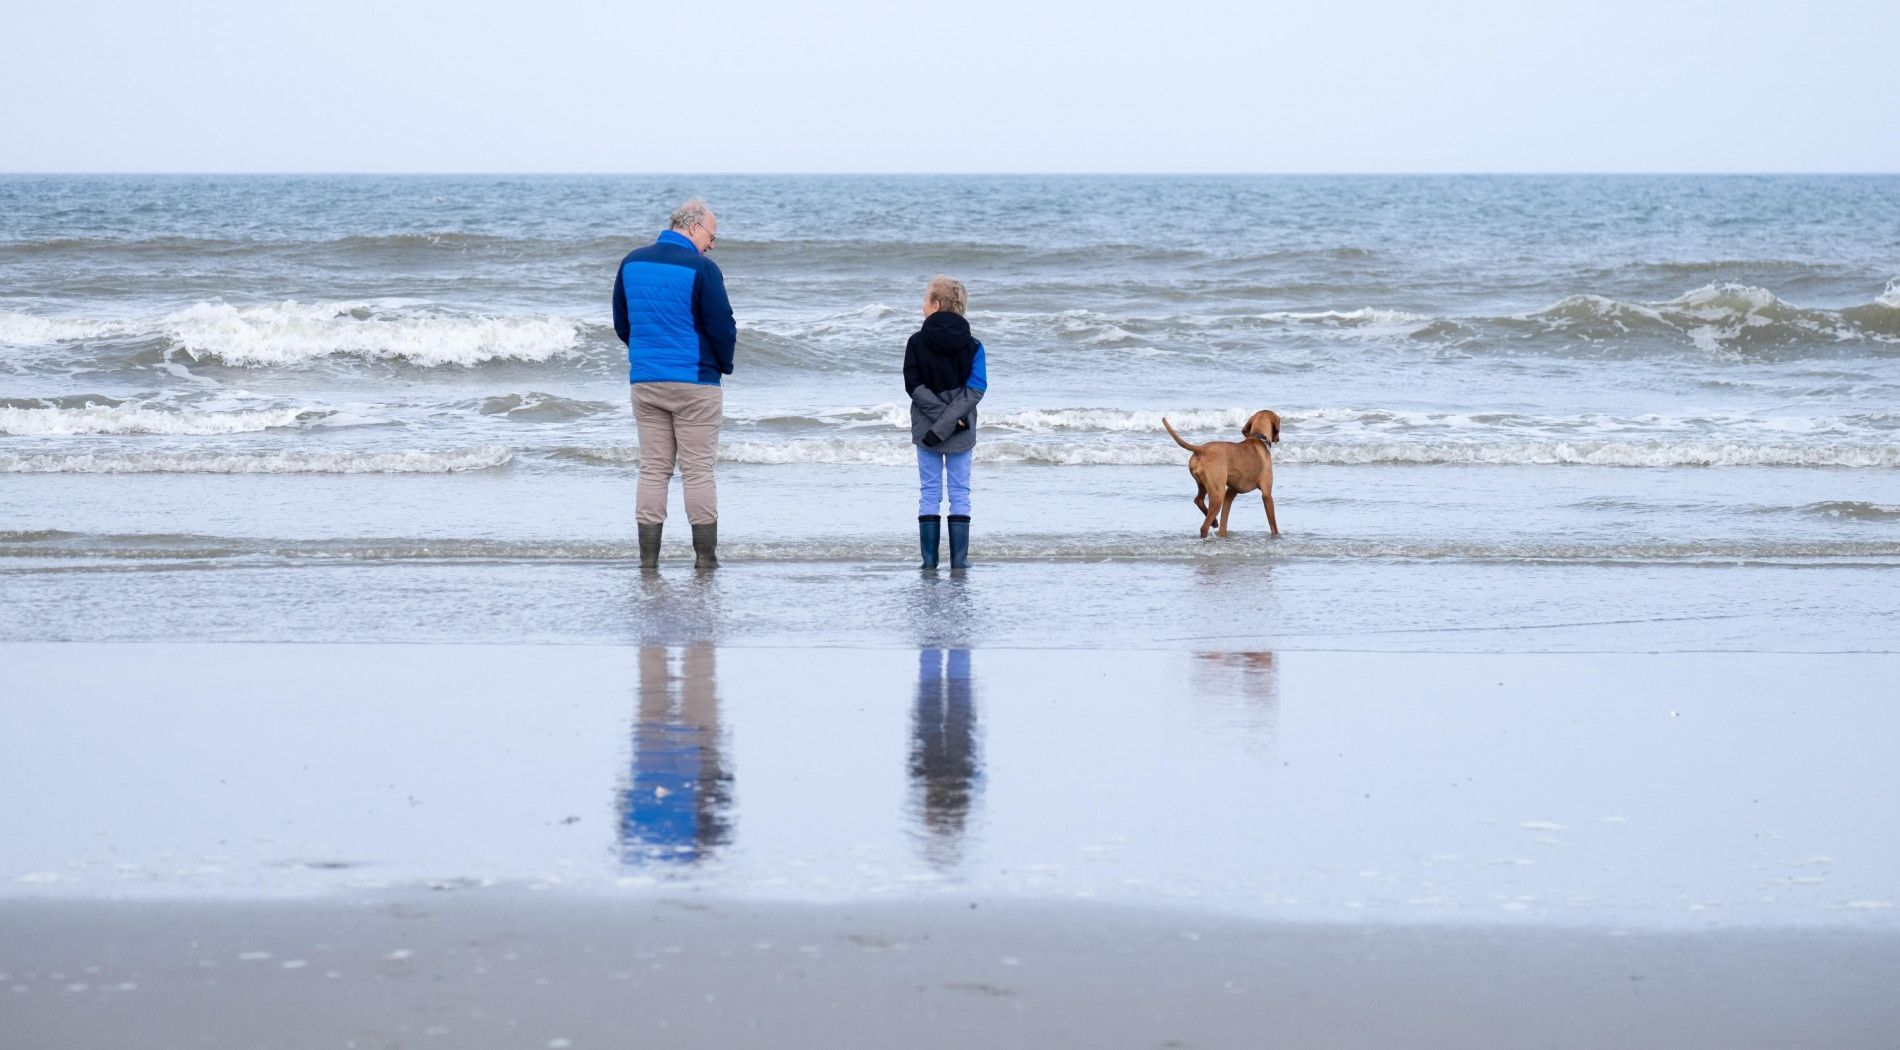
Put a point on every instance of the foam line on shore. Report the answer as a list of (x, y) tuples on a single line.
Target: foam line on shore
[(44, 544)]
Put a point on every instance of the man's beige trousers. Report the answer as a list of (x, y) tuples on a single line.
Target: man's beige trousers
[(677, 422)]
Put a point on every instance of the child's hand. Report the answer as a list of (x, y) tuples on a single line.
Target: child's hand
[(963, 424)]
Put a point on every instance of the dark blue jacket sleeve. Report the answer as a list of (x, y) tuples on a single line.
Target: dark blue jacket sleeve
[(713, 311), (621, 327)]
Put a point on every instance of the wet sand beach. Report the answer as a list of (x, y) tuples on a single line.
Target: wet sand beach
[(543, 970), (697, 845)]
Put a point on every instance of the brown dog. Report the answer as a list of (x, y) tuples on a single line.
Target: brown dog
[(1233, 467)]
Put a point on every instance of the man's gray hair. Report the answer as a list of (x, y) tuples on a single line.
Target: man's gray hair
[(686, 216)]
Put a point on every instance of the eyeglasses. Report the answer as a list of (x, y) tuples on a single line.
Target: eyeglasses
[(711, 237)]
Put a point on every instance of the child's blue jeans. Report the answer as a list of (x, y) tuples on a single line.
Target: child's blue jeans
[(932, 467)]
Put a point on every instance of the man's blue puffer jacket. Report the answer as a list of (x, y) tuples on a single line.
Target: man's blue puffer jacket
[(671, 310)]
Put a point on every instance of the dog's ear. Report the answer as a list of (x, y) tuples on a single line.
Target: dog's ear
[(1275, 416), (1246, 429)]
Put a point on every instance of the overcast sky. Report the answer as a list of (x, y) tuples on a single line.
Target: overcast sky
[(983, 86)]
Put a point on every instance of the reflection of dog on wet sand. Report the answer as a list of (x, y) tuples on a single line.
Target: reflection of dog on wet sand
[(1225, 469)]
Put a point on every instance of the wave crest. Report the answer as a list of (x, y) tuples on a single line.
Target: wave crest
[(538, 406), (131, 418), (1717, 318), (32, 330), (407, 461), (1855, 510), (293, 333)]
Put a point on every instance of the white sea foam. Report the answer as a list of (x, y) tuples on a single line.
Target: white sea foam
[(18, 329), (407, 461), (293, 333), (1595, 453), (1365, 320), (1348, 423), (1725, 310), (895, 416), (864, 452), (1054, 546), (136, 419)]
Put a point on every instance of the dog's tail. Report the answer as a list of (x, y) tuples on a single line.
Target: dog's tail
[(1177, 437)]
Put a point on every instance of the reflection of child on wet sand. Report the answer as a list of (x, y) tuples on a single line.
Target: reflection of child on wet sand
[(944, 766), (945, 375)]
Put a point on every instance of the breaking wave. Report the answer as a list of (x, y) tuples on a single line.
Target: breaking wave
[(1855, 510), (1726, 322), (131, 418), (537, 406), (1718, 319), (31, 330), (292, 333), (409, 461)]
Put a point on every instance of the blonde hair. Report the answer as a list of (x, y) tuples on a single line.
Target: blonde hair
[(948, 294)]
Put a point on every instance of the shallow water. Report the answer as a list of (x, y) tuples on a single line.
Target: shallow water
[(1577, 370)]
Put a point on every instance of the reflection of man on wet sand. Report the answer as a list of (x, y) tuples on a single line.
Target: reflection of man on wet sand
[(944, 766), (675, 804)]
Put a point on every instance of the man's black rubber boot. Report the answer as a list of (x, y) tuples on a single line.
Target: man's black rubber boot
[(705, 538), (929, 532), (959, 541), (650, 546)]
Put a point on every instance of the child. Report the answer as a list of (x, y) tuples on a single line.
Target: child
[(945, 375)]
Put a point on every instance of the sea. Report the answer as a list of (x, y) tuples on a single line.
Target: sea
[(1519, 413), (1582, 609)]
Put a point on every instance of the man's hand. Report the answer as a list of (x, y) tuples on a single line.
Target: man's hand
[(931, 440)]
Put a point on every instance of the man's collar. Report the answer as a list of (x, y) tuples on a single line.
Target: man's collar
[(676, 237)]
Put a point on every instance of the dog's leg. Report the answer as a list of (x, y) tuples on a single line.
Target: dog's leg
[(1272, 523), (1200, 499), (1227, 509), (1210, 510)]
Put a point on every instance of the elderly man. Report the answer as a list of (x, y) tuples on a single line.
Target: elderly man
[(670, 308)]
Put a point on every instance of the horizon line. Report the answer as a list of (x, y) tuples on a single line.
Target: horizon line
[(951, 174)]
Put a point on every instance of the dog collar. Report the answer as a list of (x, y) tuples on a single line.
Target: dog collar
[(1264, 441)]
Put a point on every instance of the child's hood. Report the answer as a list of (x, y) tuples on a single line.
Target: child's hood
[(947, 333)]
